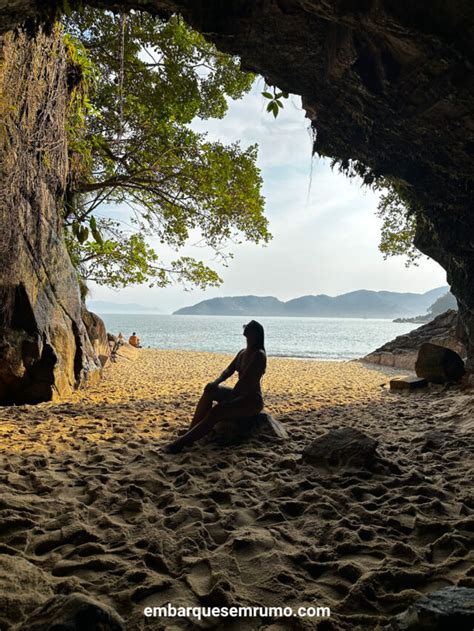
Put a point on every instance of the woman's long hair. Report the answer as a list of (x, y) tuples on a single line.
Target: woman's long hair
[(260, 334)]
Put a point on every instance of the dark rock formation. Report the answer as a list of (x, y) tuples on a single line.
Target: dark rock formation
[(74, 612), (402, 352), (44, 347), (388, 86), (445, 609), (264, 426), (342, 447), (438, 364)]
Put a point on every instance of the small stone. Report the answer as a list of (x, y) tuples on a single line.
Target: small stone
[(433, 441), (447, 608), (74, 612), (23, 587), (407, 383), (346, 446)]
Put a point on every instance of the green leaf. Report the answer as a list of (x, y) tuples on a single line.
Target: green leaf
[(97, 236), (83, 234), (267, 95)]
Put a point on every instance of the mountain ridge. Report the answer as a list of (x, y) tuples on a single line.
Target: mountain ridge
[(363, 303)]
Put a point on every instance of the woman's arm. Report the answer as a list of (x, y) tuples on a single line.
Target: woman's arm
[(228, 372)]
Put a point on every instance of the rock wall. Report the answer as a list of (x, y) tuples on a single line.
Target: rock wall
[(386, 83), (402, 352), (44, 348)]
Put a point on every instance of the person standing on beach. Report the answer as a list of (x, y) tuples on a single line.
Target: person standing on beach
[(244, 399)]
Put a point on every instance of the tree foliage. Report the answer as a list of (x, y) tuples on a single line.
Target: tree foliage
[(398, 225), (139, 152)]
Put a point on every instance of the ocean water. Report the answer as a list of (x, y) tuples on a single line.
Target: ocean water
[(310, 338)]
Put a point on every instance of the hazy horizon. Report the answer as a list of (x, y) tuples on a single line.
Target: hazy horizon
[(325, 232)]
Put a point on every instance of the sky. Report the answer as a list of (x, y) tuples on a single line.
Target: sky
[(325, 230)]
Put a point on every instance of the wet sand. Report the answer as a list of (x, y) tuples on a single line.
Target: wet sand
[(89, 503)]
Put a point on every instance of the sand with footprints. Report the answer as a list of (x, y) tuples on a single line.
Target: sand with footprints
[(89, 503)]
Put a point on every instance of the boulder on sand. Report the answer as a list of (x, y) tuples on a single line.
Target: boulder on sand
[(127, 351), (235, 431), (439, 364), (447, 608), (97, 333), (74, 612), (346, 446)]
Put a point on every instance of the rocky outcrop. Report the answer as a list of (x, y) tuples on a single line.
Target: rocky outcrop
[(402, 352), (44, 348), (387, 85)]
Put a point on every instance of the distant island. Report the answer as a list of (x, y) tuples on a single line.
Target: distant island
[(441, 305), (355, 304)]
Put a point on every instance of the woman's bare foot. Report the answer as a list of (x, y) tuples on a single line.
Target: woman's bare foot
[(173, 448)]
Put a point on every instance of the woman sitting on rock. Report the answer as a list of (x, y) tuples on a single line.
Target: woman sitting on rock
[(244, 399)]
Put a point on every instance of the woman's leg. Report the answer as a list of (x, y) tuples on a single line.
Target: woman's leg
[(203, 407), (234, 408), (217, 393)]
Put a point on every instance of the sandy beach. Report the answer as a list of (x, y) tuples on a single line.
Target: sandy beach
[(89, 503)]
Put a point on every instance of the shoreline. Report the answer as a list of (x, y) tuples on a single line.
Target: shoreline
[(337, 360), (226, 353)]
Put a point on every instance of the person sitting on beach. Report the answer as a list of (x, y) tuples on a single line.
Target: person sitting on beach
[(244, 399), (133, 340)]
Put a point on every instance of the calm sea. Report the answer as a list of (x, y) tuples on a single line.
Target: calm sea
[(313, 338)]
